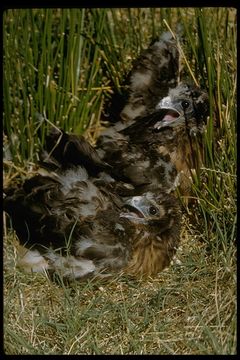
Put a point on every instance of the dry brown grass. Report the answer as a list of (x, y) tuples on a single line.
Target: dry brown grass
[(190, 308)]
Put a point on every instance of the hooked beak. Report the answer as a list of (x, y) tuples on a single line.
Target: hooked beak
[(172, 112), (135, 209), (171, 116)]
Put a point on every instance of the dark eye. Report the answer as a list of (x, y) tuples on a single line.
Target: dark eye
[(153, 210), (185, 104)]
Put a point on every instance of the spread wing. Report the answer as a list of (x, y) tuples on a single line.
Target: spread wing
[(152, 74), (64, 150)]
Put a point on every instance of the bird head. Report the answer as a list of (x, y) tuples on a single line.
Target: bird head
[(184, 104), (149, 208)]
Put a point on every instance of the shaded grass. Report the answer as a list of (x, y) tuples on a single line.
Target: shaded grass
[(64, 64)]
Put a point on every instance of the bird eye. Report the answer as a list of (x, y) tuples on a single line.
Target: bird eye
[(152, 210), (185, 104)]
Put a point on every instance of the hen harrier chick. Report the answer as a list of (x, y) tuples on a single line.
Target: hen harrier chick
[(154, 147), (73, 227), (153, 85)]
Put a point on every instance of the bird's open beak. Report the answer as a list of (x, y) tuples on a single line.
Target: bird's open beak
[(172, 112), (135, 209)]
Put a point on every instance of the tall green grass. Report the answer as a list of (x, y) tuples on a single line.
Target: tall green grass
[(64, 64), (216, 187), (59, 63)]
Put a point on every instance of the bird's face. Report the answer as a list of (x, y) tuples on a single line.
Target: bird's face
[(184, 104), (143, 209)]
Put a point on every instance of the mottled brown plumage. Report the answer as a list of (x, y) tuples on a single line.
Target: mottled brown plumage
[(154, 85), (153, 73), (154, 148), (93, 212), (71, 227)]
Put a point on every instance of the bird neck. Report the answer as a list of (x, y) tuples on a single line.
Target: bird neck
[(150, 254)]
